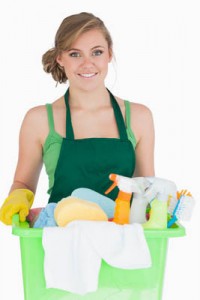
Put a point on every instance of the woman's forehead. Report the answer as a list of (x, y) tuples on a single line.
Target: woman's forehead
[(90, 39)]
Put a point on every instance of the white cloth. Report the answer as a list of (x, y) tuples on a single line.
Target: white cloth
[(73, 253)]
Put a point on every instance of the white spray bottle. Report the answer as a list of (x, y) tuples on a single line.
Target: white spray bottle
[(139, 203)]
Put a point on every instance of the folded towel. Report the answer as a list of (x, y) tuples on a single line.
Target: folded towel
[(46, 217), (73, 253)]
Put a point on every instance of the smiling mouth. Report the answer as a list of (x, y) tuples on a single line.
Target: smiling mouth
[(87, 75)]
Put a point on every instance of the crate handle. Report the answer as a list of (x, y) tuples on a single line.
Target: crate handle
[(16, 222)]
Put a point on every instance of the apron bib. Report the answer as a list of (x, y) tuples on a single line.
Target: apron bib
[(88, 162)]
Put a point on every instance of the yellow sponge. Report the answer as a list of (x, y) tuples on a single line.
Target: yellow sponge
[(72, 208)]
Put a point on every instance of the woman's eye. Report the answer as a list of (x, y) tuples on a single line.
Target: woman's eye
[(75, 54), (97, 52)]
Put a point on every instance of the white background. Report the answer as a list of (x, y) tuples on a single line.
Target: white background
[(157, 48)]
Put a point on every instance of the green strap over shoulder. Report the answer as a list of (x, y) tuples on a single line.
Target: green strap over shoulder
[(128, 123), (50, 117)]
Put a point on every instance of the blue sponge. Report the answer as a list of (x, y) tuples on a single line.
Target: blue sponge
[(107, 204), (46, 217)]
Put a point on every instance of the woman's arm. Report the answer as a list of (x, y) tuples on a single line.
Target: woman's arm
[(30, 151), (143, 128)]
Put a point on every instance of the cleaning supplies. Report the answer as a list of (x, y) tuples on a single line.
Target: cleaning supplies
[(138, 209), (46, 217), (181, 208), (158, 214), (19, 201), (139, 203), (73, 257), (126, 187), (72, 208), (159, 191), (107, 204)]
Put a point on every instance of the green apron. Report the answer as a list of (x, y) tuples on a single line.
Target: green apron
[(88, 162)]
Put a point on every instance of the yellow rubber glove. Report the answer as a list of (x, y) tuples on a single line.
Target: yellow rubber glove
[(19, 201)]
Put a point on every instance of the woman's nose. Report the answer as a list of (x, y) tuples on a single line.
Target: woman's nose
[(87, 60)]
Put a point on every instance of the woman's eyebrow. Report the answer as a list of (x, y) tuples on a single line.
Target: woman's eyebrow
[(73, 49), (95, 47), (99, 46)]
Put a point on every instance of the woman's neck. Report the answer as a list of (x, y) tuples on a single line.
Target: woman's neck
[(89, 99)]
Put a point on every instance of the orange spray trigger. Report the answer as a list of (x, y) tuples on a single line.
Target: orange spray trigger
[(113, 178)]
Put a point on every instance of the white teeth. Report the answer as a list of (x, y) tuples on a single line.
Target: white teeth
[(87, 75)]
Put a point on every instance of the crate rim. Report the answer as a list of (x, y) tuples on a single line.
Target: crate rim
[(22, 229)]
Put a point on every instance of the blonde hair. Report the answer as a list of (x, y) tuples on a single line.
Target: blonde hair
[(70, 29)]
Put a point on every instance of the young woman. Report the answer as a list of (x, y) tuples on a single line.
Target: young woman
[(86, 134)]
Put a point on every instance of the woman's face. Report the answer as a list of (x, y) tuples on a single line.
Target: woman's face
[(86, 62)]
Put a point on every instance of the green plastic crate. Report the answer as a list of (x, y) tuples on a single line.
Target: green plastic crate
[(114, 283)]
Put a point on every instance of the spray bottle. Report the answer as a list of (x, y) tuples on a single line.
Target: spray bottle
[(138, 208), (159, 192), (126, 187)]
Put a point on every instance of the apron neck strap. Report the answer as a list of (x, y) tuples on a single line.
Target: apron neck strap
[(118, 117), (69, 128)]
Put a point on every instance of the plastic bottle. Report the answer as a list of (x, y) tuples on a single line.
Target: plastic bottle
[(159, 191), (126, 187), (138, 208)]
